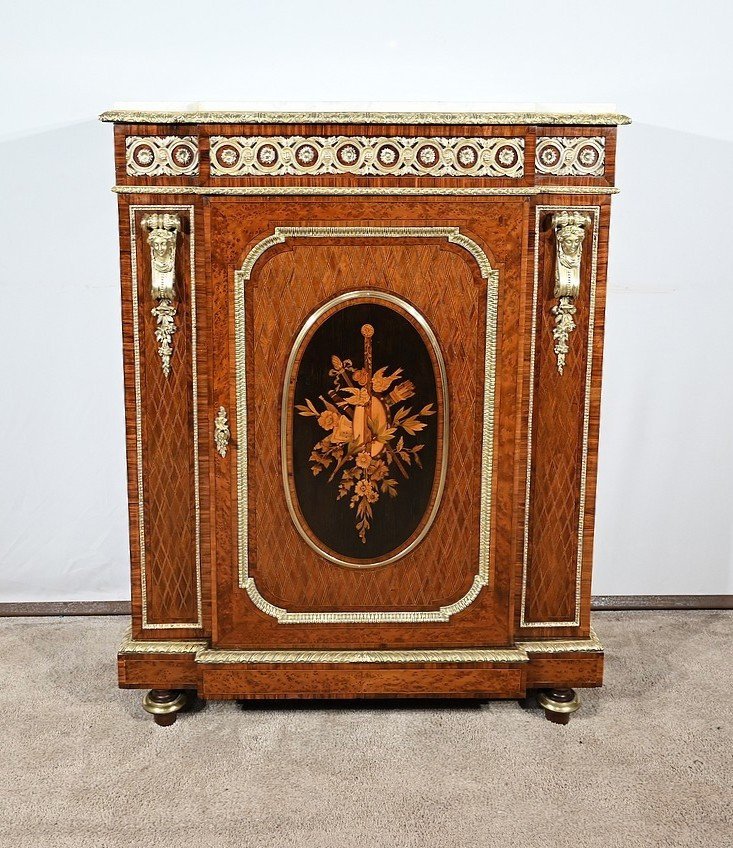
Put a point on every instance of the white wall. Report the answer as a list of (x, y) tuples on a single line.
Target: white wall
[(666, 468)]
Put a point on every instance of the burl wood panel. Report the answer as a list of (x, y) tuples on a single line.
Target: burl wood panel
[(442, 567), (362, 681), (443, 281), (557, 437), (571, 670), (162, 671), (171, 595)]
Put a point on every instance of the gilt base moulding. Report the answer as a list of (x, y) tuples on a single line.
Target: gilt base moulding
[(362, 379)]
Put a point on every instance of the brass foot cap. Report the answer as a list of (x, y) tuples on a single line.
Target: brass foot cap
[(550, 702), (155, 706)]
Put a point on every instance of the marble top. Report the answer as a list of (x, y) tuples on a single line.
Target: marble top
[(596, 114)]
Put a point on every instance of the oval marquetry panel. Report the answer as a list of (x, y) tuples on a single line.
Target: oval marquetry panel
[(363, 429)]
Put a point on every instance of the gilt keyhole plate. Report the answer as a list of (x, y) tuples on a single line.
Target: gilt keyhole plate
[(364, 429)]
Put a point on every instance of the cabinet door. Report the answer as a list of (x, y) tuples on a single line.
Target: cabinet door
[(367, 368)]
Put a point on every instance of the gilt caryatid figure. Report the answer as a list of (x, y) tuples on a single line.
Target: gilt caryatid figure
[(162, 229), (569, 227)]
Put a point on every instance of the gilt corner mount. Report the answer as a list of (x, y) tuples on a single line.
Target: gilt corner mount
[(569, 228), (162, 229)]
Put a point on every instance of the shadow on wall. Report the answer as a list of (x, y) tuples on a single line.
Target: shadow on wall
[(665, 489), (63, 513)]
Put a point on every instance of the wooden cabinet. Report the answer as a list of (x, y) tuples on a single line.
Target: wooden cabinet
[(363, 362)]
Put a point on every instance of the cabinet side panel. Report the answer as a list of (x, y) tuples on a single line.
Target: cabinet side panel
[(162, 454), (563, 438)]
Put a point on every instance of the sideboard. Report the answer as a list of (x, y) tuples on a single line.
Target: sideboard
[(362, 358)]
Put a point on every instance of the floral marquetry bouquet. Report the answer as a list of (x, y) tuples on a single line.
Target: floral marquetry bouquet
[(368, 432)]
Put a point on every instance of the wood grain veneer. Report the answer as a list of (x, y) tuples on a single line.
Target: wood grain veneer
[(539, 549)]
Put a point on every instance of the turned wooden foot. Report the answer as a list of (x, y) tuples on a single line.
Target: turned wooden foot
[(163, 705), (559, 704)]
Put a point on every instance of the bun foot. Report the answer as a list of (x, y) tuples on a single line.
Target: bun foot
[(164, 705), (558, 704)]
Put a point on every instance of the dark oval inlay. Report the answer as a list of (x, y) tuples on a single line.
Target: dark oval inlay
[(363, 418)]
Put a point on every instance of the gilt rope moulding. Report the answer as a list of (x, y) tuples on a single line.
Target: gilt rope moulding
[(362, 371), (519, 654), (367, 191)]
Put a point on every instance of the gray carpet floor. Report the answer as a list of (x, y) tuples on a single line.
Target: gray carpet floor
[(648, 761)]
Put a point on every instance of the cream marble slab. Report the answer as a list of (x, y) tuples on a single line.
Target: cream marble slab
[(370, 112)]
